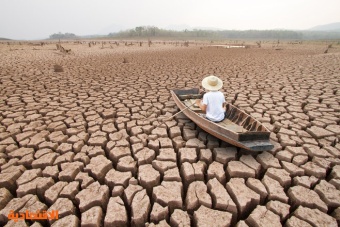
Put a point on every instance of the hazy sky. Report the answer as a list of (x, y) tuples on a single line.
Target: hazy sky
[(37, 19)]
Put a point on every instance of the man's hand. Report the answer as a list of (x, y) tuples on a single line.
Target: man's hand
[(202, 106), (224, 106), (198, 102)]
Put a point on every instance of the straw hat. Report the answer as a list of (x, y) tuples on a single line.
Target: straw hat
[(212, 83)]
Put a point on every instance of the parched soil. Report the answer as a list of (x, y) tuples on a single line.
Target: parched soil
[(80, 133)]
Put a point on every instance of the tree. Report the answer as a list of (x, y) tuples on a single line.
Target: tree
[(139, 30), (63, 36)]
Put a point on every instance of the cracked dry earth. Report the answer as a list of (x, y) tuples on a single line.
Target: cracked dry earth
[(79, 142)]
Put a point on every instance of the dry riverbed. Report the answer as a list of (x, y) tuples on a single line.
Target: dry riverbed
[(85, 141)]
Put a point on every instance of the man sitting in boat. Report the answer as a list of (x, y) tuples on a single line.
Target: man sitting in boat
[(213, 102)]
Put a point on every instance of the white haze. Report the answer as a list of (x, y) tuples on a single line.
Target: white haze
[(37, 19)]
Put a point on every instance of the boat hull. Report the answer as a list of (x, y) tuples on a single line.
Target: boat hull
[(252, 141)]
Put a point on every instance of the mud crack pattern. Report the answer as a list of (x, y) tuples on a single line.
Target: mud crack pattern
[(85, 140)]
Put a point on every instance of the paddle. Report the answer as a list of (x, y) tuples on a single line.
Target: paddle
[(174, 114), (179, 112), (201, 91)]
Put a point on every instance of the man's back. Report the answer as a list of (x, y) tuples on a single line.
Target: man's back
[(214, 101)]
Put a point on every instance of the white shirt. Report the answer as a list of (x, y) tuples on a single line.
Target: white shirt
[(214, 101)]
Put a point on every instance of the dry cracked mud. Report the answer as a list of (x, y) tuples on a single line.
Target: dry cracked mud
[(87, 140)]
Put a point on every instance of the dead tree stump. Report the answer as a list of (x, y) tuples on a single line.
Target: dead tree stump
[(58, 68)]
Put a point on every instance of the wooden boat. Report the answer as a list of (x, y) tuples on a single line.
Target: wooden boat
[(238, 128)]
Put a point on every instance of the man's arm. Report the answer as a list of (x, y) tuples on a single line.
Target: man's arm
[(201, 105)]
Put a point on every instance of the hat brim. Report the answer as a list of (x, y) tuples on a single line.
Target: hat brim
[(207, 86)]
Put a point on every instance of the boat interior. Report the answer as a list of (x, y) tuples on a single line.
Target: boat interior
[(236, 120)]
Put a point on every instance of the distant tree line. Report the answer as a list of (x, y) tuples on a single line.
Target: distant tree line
[(152, 31), (63, 36), (260, 34), (314, 35)]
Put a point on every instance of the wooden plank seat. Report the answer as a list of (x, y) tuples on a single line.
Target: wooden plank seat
[(232, 126)]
